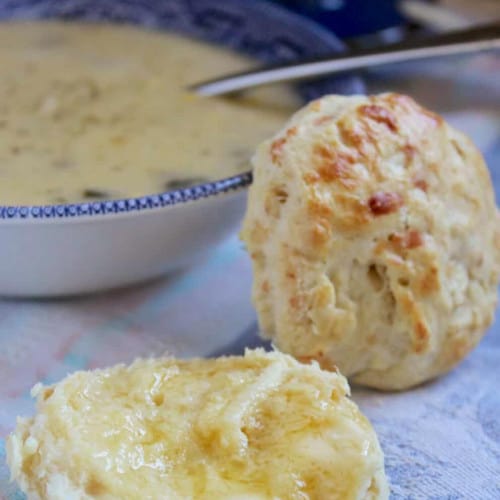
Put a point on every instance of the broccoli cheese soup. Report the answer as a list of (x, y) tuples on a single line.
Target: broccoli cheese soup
[(101, 111)]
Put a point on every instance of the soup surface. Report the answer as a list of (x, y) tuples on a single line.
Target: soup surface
[(100, 111)]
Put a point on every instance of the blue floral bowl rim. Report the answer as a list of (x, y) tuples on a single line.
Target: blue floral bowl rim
[(158, 200), (127, 205)]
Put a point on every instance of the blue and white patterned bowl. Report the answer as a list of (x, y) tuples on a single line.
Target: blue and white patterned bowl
[(77, 248)]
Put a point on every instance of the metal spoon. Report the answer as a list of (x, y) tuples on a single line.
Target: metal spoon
[(485, 37)]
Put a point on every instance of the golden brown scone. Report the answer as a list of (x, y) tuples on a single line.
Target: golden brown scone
[(375, 241), (255, 427)]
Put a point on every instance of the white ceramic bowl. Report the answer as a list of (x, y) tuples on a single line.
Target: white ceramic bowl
[(72, 249)]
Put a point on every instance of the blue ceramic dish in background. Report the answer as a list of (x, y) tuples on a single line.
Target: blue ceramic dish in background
[(78, 248), (350, 18)]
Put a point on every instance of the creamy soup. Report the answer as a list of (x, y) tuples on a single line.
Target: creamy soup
[(101, 111)]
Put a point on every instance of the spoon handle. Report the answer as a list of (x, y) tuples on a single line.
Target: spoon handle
[(456, 42)]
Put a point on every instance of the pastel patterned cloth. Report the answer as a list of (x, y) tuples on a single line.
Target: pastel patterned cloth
[(441, 440)]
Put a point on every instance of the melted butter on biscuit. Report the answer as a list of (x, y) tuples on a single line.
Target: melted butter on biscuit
[(261, 426)]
